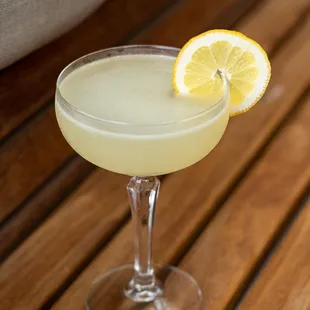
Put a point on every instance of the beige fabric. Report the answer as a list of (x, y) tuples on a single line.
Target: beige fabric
[(28, 24)]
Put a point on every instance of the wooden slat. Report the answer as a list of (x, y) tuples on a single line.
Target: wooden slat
[(215, 174), (29, 158), (284, 282), (87, 218), (18, 178), (47, 276), (30, 83), (286, 12), (30, 216), (191, 13), (195, 190), (233, 243)]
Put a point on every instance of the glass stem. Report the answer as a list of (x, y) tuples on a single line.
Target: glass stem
[(142, 194)]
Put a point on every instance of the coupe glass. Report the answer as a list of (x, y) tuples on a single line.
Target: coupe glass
[(142, 285)]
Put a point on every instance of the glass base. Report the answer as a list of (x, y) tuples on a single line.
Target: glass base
[(174, 290)]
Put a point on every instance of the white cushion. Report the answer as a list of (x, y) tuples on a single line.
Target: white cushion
[(26, 25)]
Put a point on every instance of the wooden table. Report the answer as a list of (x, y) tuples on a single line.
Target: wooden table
[(238, 221)]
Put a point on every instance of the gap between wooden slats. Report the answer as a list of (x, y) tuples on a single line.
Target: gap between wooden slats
[(284, 282), (283, 233)]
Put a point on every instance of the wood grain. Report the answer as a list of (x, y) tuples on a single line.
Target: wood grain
[(185, 21), (284, 282), (19, 226), (169, 32), (285, 13), (86, 218), (28, 158), (231, 246), (30, 83), (188, 197)]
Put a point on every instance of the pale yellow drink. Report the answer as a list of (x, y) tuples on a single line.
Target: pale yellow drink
[(132, 122)]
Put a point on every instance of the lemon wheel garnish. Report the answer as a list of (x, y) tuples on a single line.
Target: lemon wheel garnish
[(240, 59)]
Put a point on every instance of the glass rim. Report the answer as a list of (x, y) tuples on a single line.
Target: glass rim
[(163, 48)]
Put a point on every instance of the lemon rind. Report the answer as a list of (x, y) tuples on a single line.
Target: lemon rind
[(247, 44)]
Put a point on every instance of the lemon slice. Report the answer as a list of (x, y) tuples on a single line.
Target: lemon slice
[(240, 59)]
